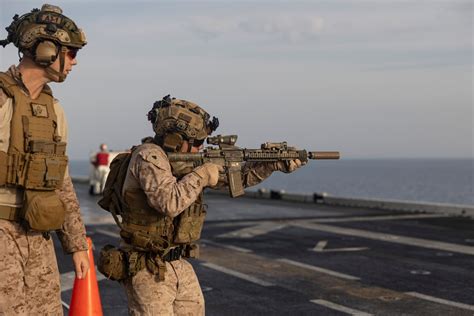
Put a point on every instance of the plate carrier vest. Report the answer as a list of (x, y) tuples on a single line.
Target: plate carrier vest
[(36, 160), (144, 227)]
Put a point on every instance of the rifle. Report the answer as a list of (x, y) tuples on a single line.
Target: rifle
[(231, 157)]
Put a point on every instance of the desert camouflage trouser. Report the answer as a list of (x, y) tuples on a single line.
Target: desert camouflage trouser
[(178, 294), (29, 277)]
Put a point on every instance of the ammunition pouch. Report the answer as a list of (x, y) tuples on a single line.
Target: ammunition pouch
[(155, 266), (42, 168), (44, 171), (137, 215), (117, 264), (112, 263), (42, 146), (145, 242), (137, 261), (190, 224), (43, 211)]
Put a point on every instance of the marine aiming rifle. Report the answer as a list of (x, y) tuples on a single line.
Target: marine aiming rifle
[(231, 157)]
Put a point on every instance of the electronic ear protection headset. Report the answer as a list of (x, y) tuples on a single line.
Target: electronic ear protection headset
[(45, 53)]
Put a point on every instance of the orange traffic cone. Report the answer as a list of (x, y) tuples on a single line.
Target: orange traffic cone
[(85, 299)]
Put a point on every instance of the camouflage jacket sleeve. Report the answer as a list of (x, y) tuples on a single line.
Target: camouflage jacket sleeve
[(73, 233), (164, 192)]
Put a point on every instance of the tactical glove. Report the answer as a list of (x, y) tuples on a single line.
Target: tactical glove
[(209, 173), (287, 166)]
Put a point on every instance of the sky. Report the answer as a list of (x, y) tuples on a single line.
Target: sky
[(371, 79)]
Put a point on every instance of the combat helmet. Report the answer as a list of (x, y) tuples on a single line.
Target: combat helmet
[(45, 35), (176, 120)]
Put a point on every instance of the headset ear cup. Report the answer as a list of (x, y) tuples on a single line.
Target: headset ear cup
[(172, 142), (45, 53)]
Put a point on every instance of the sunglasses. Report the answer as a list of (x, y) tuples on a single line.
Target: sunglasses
[(72, 52)]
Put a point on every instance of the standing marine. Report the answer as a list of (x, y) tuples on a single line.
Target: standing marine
[(162, 210), (36, 192)]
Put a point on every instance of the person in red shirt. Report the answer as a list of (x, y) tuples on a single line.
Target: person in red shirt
[(102, 157), (101, 163)]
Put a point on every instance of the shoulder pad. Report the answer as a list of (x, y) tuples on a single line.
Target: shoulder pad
[(152, 153)]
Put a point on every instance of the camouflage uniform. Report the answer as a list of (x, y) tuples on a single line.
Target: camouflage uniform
[(179, 293), (29, 277)]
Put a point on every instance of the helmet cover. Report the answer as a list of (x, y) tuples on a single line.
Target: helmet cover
[(175, 116), (42, 25)]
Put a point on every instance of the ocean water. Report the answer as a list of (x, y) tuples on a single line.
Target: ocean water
[(430, 180)]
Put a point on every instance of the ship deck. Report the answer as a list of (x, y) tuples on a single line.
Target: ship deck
[(281, 258)]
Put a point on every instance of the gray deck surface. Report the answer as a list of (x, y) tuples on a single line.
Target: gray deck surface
[(281, 258)]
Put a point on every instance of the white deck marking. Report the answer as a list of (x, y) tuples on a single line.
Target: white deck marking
[(323, 243), (108, 233), (239, 249), (237, 274), (67, 279), (65, 305), (333, 220), (233, 224), (411, 241), (441, 301), (376, 218), (320, 245), (258, 227), (250, 232), (340, 308), (318, 269)]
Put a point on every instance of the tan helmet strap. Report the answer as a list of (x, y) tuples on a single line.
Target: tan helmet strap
[(62, 58), (190, 144)]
